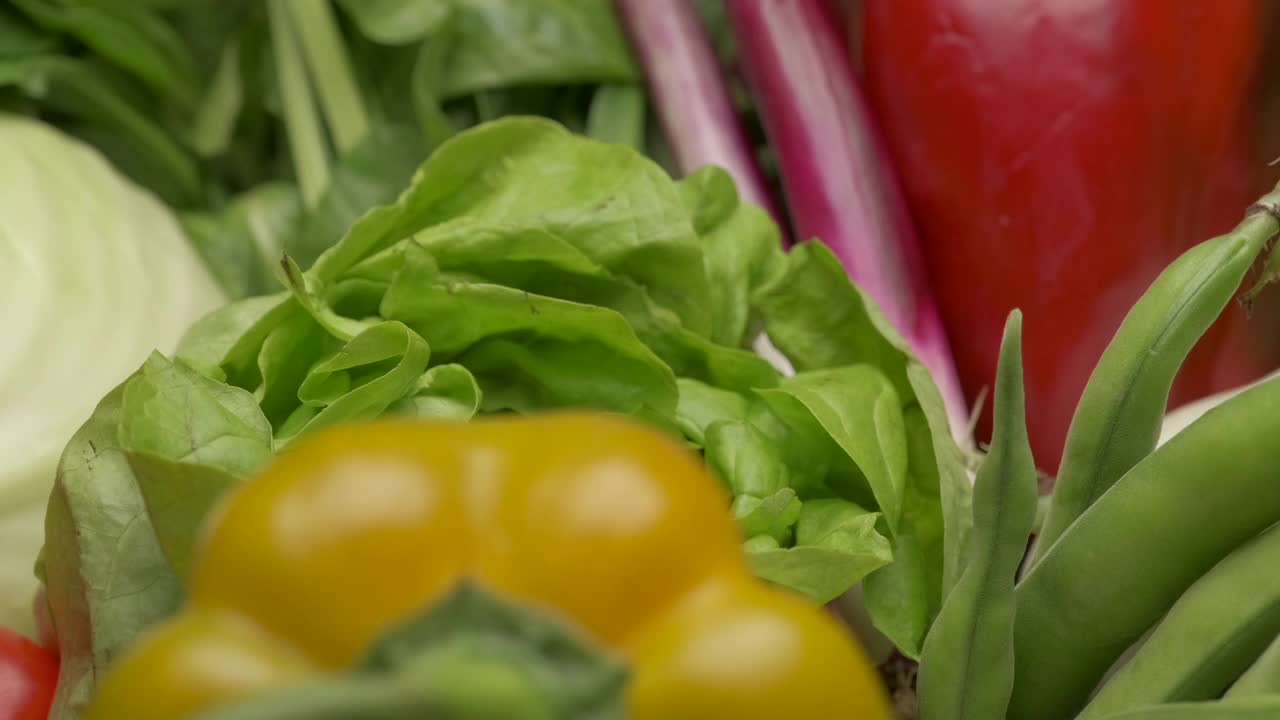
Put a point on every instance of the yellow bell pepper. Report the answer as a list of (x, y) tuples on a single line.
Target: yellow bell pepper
[(612, 526)]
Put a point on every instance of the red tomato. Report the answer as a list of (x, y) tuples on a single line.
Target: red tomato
[(28, 676)]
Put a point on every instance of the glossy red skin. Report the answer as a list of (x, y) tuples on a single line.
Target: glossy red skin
[(1057, 154), (28, 676)]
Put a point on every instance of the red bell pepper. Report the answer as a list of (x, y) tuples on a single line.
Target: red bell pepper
[(1056, 155), (28, 676)]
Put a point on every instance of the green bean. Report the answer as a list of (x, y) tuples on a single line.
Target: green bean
[(1125, 561), (1117, 421), (966, 668), (1258, 708), (1263, 677), (1210, 635)]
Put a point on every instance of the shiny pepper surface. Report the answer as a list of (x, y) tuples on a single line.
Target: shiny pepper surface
[(1057, 155), (614, 526)]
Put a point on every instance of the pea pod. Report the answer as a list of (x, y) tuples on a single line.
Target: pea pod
[(1211, 635), (1263, 677), (1259, 708), (1125, 561), (966, 668), (1117, 421)]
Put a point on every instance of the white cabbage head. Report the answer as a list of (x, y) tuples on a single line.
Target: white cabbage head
[(95, 273)]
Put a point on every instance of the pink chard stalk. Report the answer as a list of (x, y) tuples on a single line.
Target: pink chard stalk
[(838, 178), (689, 94)]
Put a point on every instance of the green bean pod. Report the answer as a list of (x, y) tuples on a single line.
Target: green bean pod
[(1117, 421), (1214, 632), (1262, 678), (1124, 562), (1255, 708), (966, 667)]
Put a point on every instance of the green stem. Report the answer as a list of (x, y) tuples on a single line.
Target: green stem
[(326, 56), (463, 682), (448, 683), (306, 139)]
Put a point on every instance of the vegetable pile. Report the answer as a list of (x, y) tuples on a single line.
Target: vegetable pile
[(503, 521), (446, 343), (1131, 605), (527, 268)]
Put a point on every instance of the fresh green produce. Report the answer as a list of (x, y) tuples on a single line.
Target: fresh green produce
[(97, 275), (966, 669), (1248, 709), (277, 124), (1120, 413), (1221, 466), (1170, 554), (527, 268), (471, 570), (1210, 636), (1263, 677)]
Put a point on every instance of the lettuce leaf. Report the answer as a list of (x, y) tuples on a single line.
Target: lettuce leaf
[(527, 268)]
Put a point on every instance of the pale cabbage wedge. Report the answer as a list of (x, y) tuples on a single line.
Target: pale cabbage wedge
[(95, 273)]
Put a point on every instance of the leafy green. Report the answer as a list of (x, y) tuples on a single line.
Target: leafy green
[(617, 115), (527, 173), (129, 35), (526, 268), (740, 243), (98, 98), (521, 42), (107, 577), (836, 545), (189, 439), (241, 242), (211, 104), (397, 22), (445, 392), (369, 174), (745, 459), (172, 411), (225, 343), (700, 405), (773, 516), (178, 496), (374, 370), (859, 411)]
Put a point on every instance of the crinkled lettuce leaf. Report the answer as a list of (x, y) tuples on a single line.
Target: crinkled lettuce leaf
[(528, 268)]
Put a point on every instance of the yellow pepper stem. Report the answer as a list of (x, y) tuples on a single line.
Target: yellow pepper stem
[(472, 655), (459, 682)]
